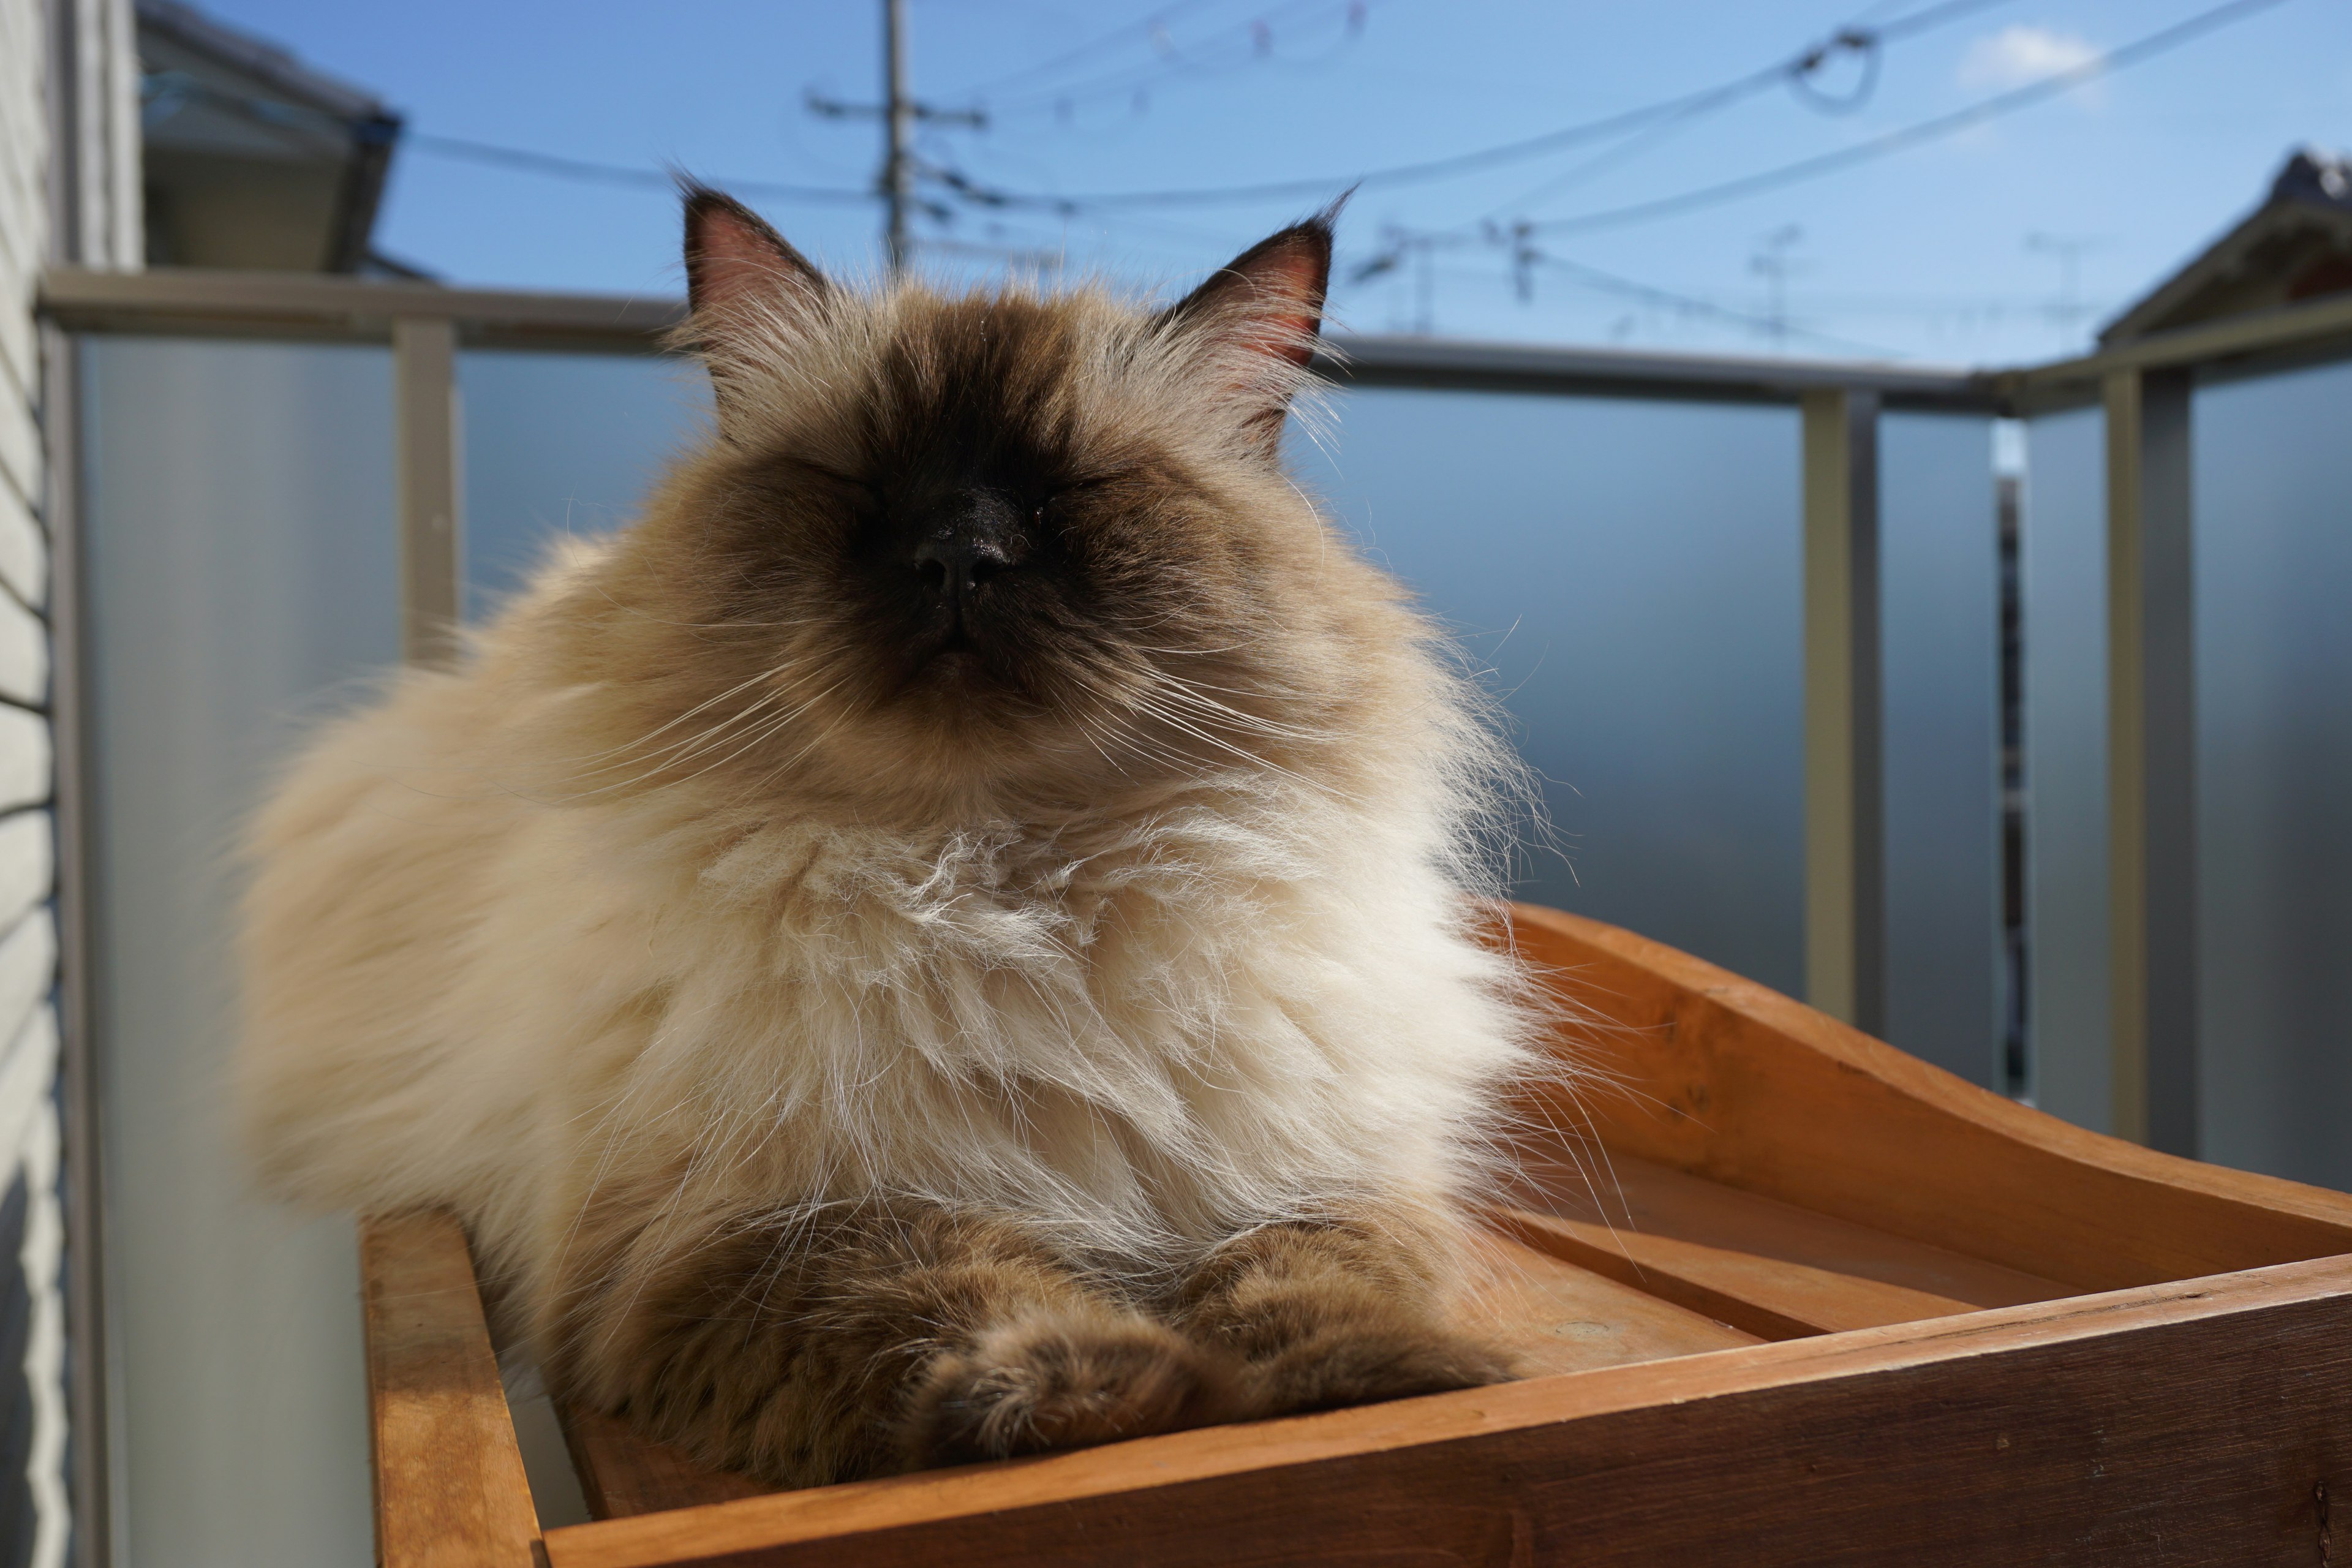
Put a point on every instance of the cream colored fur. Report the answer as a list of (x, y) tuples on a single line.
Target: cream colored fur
[(1233, 993)]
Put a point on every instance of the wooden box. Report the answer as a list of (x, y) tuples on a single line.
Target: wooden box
[(1832, 1306)]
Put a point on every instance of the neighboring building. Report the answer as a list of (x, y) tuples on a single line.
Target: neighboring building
[(69, 193), (253, 159), (2296, 246)]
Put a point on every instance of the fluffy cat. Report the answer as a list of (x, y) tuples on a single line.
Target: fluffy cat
[(952, 935)]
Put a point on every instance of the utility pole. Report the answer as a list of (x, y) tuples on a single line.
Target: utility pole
[(2068, 250), (898, 134), (1424, 310), (1402, 246), (898, 111), (1772, 262)]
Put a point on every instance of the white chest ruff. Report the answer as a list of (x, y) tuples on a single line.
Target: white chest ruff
[(1136, 1040)]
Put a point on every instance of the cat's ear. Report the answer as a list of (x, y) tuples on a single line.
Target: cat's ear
[(1257, 321), (734, 258), (748, 294)]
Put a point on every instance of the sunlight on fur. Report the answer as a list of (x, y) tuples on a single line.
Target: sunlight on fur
[(955, 934)]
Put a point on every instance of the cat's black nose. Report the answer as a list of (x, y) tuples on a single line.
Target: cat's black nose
[(966, 543), (954, 563)]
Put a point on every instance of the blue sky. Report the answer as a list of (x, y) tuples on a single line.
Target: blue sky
[(1957, 249)]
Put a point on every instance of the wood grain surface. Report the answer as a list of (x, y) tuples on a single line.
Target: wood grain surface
[(1641, 1195), (2203, 1422), (450, 1490), (1766, 1296), (1556, 1317), (1769, 1268), (1938, 1392), (623, 1473), (1552, 1316), (1722, 1078)]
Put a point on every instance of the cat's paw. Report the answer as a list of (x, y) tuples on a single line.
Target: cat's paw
[(1058, 1381), (1364, 1363)]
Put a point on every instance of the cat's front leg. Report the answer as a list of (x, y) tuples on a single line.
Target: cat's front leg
[(879, 1337), (1335, 1311)]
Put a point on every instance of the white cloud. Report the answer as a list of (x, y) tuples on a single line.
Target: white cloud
[(2022, 53)]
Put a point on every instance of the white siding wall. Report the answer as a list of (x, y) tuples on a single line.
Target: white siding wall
[(105, 127), (29, 1117)]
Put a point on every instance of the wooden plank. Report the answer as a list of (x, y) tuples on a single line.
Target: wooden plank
[(2182, 1424), (1717, 1075), (1658, 1200), (450, 1491), (1769, 1268), (623, 1474), (1556, 1317), (1769, 1298)]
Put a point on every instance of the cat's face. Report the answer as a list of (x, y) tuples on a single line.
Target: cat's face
[(951, 545)]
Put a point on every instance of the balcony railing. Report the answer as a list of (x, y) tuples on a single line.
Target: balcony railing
[(1748, 607), (2144, 389)]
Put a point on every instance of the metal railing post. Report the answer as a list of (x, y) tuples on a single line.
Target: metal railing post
[(1846, 871), (427, 460), (2151, 759)]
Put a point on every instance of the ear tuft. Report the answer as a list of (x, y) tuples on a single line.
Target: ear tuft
[(1260, 317), (734, 257), (747, 292)]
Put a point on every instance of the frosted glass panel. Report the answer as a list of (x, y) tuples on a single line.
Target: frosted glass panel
[(562, 443), (1940, 610), (2273, 491), (242, 572), (2065, 550), (1630, 572)]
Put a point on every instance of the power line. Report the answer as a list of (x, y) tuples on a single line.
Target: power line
[(602, 173), (163, 86), (2049, 87), (1776, 325), (1105, 205), (1323, 185), (1527, 255), (1149, 21), (1418, 248), (1855, 38), (1641, 141), (1256, 35), (1802, 63)]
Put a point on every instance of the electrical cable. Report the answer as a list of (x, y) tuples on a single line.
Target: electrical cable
[(1903, 139), (1149, 21), (604, 174), (1519, 150), (1610, 283), (163, 92), (1255, 34)]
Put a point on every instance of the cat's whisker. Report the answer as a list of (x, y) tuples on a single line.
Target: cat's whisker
[(701, 707), (1177, 721), (769, 726), (1250, 723)]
